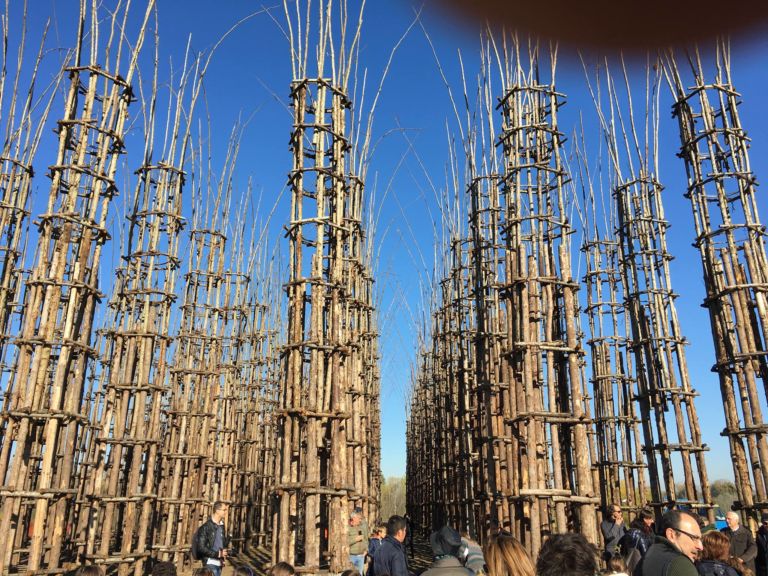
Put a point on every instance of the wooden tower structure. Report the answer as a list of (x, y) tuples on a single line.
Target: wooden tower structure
[(47, 418), (730, 238)]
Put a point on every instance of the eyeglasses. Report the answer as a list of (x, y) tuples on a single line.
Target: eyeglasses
[(691, 536)]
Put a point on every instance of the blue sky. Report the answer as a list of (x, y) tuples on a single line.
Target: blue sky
[(249, 78)]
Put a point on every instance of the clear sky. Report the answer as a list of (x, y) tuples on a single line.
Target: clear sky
[(249, 79)]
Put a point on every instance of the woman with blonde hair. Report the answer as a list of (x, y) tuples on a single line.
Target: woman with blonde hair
[(505, 556)]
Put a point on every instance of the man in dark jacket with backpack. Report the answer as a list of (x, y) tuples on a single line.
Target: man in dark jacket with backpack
[(211, 540)]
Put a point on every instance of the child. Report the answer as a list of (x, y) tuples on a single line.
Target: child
[(281, 569), (373, 546), (615, 566)]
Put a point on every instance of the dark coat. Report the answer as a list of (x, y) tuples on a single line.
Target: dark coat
[(390, 559), (715, 568), (207, 537), (612, 533), (664, 559), (742, 545), (447, 566), (761, 561), (373, 546)]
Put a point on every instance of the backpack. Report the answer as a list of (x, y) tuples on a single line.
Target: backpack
[(629, 551), (632, 558), (194, 549)]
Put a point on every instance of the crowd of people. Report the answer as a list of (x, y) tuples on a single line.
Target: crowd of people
[(681, 545), (684, 544)]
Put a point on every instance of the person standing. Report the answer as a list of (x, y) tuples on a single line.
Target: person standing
[(761, 561), (742, 543), (612, 528), (638, 539), (164, 569), (374, 543), (474, 560), (448, 550), (281, 569), (213, 540), (357, 537), (390, 560), (409, 526), (675, 549)]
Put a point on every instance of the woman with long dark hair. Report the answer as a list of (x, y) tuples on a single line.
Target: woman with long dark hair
[(635, 543)]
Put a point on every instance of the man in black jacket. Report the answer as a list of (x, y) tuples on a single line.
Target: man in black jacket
[(761, 562), (213, 540), (742, 543), (675, 549), (390, 559)]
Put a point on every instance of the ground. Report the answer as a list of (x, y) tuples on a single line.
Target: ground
[(259, 558)]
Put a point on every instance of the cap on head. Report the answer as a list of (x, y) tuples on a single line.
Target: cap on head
[(445, 541)]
